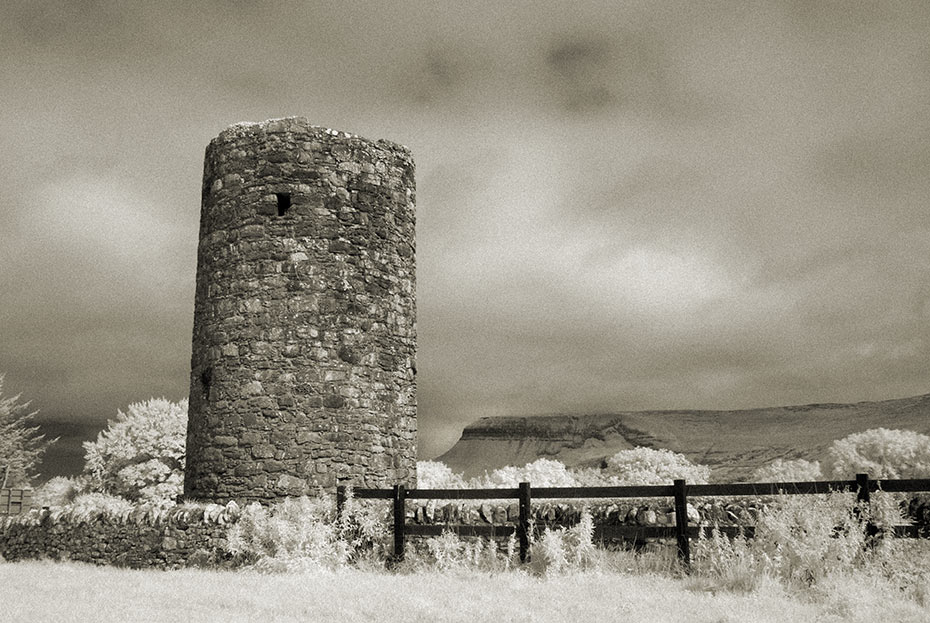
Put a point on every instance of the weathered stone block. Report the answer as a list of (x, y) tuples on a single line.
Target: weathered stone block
[(273, 466), (309, 437), (263, 451), (333, 401), (249, 438), (243, 469)]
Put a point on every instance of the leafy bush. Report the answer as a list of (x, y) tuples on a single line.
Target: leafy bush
[(628, 467), (140, 455), (541, 473), (59, 491), (792, 470), (646, 466), (880, 453), (593, 477), (437, 475)]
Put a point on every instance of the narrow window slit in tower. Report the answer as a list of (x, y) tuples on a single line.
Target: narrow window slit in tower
[(206, 379), (284, 203)]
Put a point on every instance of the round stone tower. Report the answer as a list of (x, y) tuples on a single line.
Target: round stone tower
[(303, 366)]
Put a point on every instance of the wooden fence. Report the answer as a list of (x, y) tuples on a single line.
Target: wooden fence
[(15, 501), (679, 490)]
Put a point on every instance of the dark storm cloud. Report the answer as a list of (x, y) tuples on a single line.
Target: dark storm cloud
[(619, 206), (580, 72), (86, 27), (585, 72), (627, 70), (439, 75)]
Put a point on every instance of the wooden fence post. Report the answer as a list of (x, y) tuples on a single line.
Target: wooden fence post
[(340, 501), (862, 484), (523, 530), (681, 524), (863, 497), (400, 517)]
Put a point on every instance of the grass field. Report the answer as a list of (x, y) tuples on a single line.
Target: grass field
[(46, 591)]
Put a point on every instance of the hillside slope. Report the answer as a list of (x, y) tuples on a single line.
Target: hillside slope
[(733, 443)]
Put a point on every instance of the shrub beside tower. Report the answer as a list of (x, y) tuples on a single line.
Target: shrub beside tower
[(304, 344)]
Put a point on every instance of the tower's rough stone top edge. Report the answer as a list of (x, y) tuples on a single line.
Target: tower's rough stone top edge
[(297, 125)]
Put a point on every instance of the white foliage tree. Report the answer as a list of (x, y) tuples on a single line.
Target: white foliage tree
[(140, 455), (880, 453), (791, 470), (646, 466), (437, 475), (21, 445), (58, 491), (539, 473)]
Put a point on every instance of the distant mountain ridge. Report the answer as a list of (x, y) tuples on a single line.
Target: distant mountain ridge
[(733, 443)]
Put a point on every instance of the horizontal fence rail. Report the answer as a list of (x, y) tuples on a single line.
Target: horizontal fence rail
[(679, 490)]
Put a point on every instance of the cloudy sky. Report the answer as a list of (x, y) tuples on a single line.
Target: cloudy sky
[(620, 205)]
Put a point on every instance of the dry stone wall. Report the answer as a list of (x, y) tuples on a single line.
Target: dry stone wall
[(137, 541), (303, 364), (629, 513), (716, 511)]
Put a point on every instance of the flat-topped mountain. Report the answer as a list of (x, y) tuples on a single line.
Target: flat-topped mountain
[(732, 443)]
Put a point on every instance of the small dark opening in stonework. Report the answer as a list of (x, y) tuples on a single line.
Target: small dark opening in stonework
[(284, 203), (206, 378)]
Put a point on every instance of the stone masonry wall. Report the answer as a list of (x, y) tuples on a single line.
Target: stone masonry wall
[(134, 541), (303, 364)]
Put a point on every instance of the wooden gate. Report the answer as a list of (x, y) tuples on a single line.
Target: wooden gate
[(15, 501)]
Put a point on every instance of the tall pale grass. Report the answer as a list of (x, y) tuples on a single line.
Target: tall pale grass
[(800, 542), (808, 543), (304, 533)]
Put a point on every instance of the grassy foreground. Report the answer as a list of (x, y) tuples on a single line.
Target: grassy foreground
[(46, 591)]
